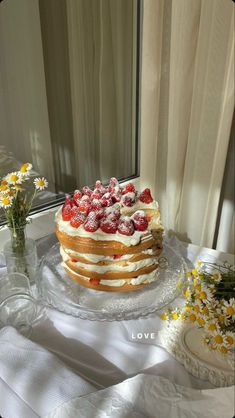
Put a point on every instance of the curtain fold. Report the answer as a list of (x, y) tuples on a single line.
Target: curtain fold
[(193, 109)]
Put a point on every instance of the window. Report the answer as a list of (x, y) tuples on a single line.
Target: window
[(69, 91)]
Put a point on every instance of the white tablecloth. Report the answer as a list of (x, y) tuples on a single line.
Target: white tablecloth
[(103, 354)]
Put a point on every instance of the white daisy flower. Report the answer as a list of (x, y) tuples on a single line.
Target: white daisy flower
[(205, 294), (14, 178), (6, 201), (212, 325), (230, 339), (218, 338), (4, 187), (40, 183), (229, 308), (216, 276)]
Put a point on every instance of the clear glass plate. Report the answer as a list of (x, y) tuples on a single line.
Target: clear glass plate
[(58, 290)]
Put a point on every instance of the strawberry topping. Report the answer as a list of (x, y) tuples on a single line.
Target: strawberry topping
[(66, 212), (77, 196), (128, 199), (145, 196), (87, 191), (125, 226), (129, 188), (140, 220), (95, 205), (91, 224), (77, 220), (108, 225)]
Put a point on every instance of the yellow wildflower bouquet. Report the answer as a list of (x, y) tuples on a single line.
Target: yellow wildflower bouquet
[(15, 199), (210, 304)]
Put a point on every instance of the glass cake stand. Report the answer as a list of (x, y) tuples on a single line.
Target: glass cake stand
[(59, 291)]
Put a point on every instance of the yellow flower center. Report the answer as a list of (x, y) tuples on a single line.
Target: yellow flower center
[(192, 317), (230, 340), (194, 272), (212, 327), (196, 308), (175, 316), (197, 287), (187, 308), (200, 321), (218, 339), (221, 318), (6, 201), (163, 316), (230, 310), (202, 295), (40, 183), (14, 178), (205, 310), (187, 294), (3, 187), (223, 349)]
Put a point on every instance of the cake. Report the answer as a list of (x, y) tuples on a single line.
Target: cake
[(110, 237)]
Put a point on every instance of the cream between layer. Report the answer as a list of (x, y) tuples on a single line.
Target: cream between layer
[(132, 266), (144, 278), (99, 235), (94, 258)]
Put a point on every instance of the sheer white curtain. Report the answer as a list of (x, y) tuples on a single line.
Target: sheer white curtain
[(187, 108)]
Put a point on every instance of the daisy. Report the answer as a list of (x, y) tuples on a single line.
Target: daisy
[(230, 339), (25, 168), (205, 294), (4, 187), (14, 178), (217, 277), (229, 308), (212, 326), (40, 183), (219, 339), (6, 201)]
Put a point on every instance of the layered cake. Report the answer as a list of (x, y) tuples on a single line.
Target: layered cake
[(110, 237)]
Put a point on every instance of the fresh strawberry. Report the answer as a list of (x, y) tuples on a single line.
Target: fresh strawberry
[(66, 212), (96, 194), (128, 199), (129, 188), (84, 204), (145, 196), (99, 214), (77, 220), (140, 220), (95, 282), (116, 197), (77, 196), (87, 191), (125, 226), (91, 224), (69, 201), (117, 256), (99, 186), (108, 226), (112, 212), (95, 205), (74, 211), (106, 200)]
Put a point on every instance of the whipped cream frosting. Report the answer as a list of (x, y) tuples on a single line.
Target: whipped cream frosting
[(99, 235), (144, 278)]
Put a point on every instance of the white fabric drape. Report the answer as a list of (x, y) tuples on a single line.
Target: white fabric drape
[(192, 100)]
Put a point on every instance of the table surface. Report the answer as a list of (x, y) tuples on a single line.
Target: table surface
[(106, 353)]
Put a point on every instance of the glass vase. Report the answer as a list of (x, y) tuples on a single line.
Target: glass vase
[(21, 253)]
